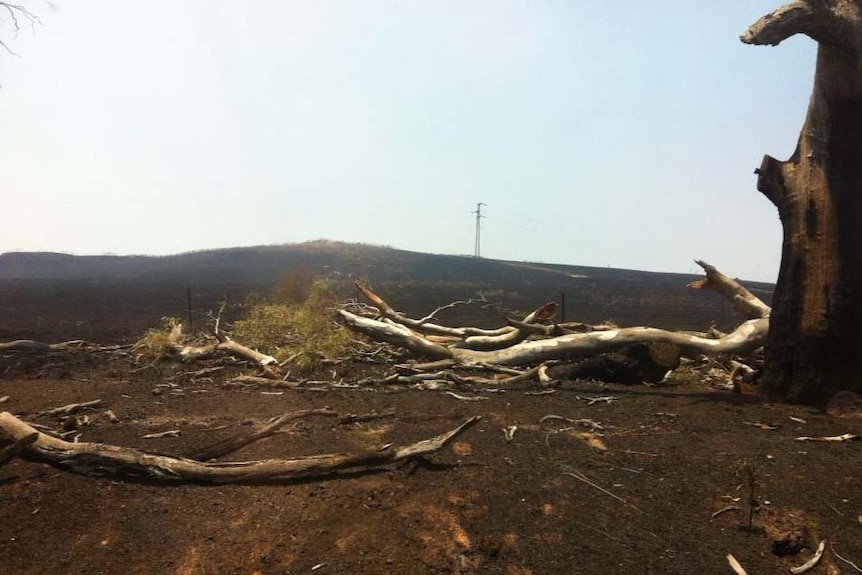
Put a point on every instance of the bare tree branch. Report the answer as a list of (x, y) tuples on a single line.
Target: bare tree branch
[(16, 13)]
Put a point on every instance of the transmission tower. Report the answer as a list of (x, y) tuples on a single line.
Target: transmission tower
[(478, 248)]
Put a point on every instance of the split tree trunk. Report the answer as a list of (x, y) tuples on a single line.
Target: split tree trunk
[(814, 347)]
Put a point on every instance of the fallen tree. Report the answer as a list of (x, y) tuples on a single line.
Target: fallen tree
[(25, 441), (530, 347)]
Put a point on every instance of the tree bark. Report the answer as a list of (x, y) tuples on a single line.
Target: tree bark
[(814, 347)]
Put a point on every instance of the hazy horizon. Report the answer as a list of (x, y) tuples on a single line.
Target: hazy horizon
[(603, 135)]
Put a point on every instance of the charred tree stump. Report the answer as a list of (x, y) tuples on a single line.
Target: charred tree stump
[(814, 346)]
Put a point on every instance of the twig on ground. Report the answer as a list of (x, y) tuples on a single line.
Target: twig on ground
[(845, 560), (580, 477), (808, 565), (844, 437), (509, 432), (252, 380), (725, 510), (734, 564), (72, 408), (236, 442), (363, 417), (591, 400), (465, 397), (160, 434), (588, 423), (766, 426)]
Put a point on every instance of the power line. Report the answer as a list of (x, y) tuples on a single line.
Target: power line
[(478, 247)]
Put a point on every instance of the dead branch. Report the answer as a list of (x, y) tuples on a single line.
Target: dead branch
[(28, 345), (188, 353), (747, 337), (72, 408), (452, 305), (364, 417), (422, 326), (519, 331), (735, 565), (16, 13), (745, 302), (239, 441), (465, 397), (509, 347), (580, 477), (112, 460), (256, 381), (844, 559), (809, 565), (831, 438)]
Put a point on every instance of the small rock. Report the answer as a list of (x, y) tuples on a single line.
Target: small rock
[(158, 391)]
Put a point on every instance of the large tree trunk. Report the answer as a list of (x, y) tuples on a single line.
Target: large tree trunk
[(814, 346)]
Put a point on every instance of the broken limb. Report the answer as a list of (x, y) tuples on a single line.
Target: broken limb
[(471, 337), (239, 441), (72, 408), (403, 332), (747, 337), (187, 353), (743, 300), (422, 325), (37, 346), (113, 460)]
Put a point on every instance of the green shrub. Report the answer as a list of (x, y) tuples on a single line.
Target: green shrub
[(302, 334)]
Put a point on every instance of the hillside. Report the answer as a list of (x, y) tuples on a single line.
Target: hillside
[(139, 290)]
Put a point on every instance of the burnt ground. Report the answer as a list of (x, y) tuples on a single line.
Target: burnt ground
[(667, 459)]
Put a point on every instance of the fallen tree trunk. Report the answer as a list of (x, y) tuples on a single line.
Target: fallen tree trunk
[(749, 336), (103, 459), (746, 338)]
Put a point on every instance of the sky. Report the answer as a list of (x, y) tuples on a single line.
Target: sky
[(621, 134)]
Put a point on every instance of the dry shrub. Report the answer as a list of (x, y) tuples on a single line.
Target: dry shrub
[(155, 343), (302, 334)]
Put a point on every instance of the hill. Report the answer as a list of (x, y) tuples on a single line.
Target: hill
[(139, 290)]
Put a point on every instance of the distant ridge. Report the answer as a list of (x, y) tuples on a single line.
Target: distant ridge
[(263, 264), (142, 289)]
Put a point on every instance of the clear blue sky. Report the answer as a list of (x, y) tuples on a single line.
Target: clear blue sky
[(597, 133)]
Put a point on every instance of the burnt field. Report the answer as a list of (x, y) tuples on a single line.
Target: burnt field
[(670, 479)]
